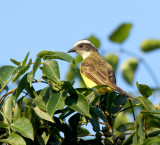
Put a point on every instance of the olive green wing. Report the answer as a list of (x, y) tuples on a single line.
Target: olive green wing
[(99, 71)]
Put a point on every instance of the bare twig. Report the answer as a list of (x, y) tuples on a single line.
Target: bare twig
[(132, 110)]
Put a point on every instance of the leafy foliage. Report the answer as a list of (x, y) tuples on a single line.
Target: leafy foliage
[(39, 115), (150, 45), (121, 33)]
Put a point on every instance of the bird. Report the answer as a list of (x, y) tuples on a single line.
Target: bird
[(95, 70)]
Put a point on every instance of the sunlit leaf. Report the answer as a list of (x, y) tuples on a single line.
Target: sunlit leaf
[(20, 72), (31, 75), (14, 139), (147, 104), (25, 59), (51, 70), (15, 62), (7, 109), (121, 33), (53, 102), (42, 114), (152, 141), (5, 72), (129, 68), (56, 55), (144, 90), (24, 127), (78, 59), (150, 44), (17, 110)]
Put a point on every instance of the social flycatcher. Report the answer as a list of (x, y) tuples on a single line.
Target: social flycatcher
[(94, 69)]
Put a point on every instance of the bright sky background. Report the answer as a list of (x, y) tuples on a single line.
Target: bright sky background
[(33, 26)]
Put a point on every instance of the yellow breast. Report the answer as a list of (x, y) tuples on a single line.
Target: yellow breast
[(90, 84)]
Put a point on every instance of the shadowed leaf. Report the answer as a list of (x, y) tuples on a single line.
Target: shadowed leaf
[(95, 41), (112, 59), (144, 90), (129, 68)]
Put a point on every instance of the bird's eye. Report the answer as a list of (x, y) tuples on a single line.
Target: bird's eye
[(81, 45)]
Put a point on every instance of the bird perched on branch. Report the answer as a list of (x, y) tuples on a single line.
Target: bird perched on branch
[(94, 69)]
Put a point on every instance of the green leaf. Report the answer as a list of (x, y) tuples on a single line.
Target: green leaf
[(21, 86), (94, 120), (129, 139), (100, 115), (152, 113), (154, 133), (78, 103), (129, 68), (15, 62), (144, 90), (14, 139), (51, 70), (56, 55), (71, 74), (121, 33), (125, 127), (2, 125), (31, 75), (82, 132), (17, 110), (108, 101), (78, 59), (95, 41), (141, 131), (118, 103), (25, 59), (20, 72), (147, 104), (112, 59), (5, 72), (43, 114), (43, 138), (74, 122), (42, 97), (150, 44), (24, 127), (152, 141), (7, 109), (36, 64), (53, 102)]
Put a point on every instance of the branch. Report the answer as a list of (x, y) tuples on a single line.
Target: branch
[(4, 96), (132, 110)]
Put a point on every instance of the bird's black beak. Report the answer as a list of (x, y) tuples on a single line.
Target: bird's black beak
[(71, 50)]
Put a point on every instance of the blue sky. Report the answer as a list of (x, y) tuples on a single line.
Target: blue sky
[(33, 26)]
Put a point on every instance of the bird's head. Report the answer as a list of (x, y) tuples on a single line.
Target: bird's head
[(83, 48)]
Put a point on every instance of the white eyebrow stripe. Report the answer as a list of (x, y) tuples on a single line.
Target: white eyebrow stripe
[(83, 41)]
